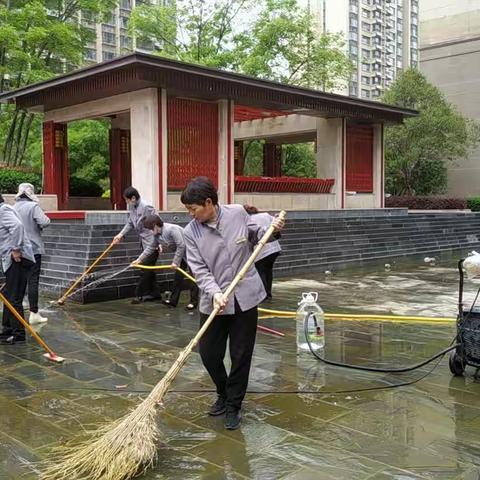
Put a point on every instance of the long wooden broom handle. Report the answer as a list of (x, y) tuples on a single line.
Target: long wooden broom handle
[(184, 354), (32, 332), (85, 273)]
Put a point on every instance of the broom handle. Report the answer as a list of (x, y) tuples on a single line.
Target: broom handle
[(32, 332), (184, 354), (85, 273)]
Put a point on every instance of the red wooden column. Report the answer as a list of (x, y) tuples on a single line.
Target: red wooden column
[(55, 161), (272, 160), (120, 166)]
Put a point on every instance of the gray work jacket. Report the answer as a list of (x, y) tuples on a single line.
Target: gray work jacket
[(12, 236), (216, 253), (171, 239), (137, 213), (265, 220), (34, 220)]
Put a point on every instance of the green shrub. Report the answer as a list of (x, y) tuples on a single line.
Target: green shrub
[(10, 179), (474, 204), (80, 187), (426, 203)]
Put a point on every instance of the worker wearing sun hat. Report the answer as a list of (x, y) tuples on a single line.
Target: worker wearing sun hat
[(34, 221)]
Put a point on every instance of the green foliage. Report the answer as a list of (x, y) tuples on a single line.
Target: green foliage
[(474, 204), (10, 179), (280, 43), (419, 151), (298, 160), (80, 187), (88, 146), (38, 39)]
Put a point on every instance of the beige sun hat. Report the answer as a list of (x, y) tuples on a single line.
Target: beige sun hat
[(27, 189)]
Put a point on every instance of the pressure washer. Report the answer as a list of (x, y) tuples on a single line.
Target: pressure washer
[(467, 351)]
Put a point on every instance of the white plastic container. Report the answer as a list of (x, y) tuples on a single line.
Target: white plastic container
[(310, 310)]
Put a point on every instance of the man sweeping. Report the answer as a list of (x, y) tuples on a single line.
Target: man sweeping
[(219, 241), (138, 210), (17, 260), (34, 221), (169, 237)]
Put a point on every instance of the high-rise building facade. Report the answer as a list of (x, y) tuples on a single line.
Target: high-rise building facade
[(112, 37), (381, 37)]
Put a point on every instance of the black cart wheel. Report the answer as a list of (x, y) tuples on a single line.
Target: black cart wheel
[(456, 364)]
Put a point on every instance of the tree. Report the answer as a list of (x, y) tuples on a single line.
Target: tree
[(88, 151), (38, 39), (417, 152), (280, 43)]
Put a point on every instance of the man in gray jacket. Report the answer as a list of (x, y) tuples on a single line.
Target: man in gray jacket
[(34, 221), (138, 210), (17, 260), (219, 241)]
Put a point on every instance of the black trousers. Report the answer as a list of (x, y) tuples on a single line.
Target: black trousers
[(179, 281), (147, 285), (16, 284), (265, 270), (32, 281), (240, 329)]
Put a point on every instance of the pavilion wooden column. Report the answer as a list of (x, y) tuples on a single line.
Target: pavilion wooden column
[(55, 161), (272, 160), (120, 166)]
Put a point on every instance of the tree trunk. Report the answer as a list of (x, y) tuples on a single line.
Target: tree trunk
[(18, 136), (7, 147), (23, 144)]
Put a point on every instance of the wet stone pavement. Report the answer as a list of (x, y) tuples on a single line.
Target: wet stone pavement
[(115, 351)]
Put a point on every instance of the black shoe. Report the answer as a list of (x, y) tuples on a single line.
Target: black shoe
[(218, 407), (151, 298), (19, 339), (233, 419), (168, 303), (190, 307), (136, 300)]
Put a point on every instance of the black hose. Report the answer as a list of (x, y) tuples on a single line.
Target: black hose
[(372, 369)]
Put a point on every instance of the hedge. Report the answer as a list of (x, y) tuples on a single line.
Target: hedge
[(80, 187), (427, 203), (474, 204), (10, 179)]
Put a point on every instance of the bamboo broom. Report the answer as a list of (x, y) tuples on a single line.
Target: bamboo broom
[(128, 446)]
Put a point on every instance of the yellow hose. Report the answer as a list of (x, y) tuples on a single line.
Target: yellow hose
[(330, 316), (165, 267), (352, 316)]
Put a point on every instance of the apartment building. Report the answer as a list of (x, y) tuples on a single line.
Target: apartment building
[(381, 36)]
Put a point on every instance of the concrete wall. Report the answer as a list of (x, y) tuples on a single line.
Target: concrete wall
[(47, 202), (88, 203), (450, 59), (287, 201)]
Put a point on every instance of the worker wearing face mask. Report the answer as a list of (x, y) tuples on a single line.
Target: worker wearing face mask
[(138, 210)]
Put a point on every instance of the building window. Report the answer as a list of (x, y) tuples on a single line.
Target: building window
[(125, 42), (365, 53), (365, 80), (353, 35), (107, 55), (353, 88), (365, 94), (365, 40), (91, 54), (365, 67), (109, 38), (353, 21), (365, 13), (124, 22), (366, 26), (126, 4), (112, 20)]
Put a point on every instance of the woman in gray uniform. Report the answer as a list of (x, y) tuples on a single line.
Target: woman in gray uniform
[(219, 241)]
